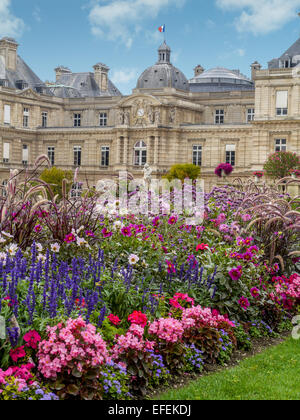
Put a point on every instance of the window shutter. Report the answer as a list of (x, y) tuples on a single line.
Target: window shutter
[(6, 150), (25, 154), (282, 99), (230, 148), (6, 114)]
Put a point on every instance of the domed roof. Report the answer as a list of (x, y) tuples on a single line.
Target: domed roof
[(220, 79), (163, 73)]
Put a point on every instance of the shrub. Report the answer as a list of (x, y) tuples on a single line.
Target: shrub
[(280, 164), (183, 171), (54, 177)]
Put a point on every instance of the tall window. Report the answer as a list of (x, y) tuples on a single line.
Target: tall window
[(103, 119), (219, 116), (25, 154), (44, 119), (280, 145), (197, 155), (6, 114), (230, 154), (25, 117), (77, 120), (6, 147), (250, 114), (140, 154), (105, 156), (76, 190), (77, 155), (282, 103), (51, 154), (4, 188)]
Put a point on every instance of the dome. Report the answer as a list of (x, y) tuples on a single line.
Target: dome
[(163, 73), (220, 79)]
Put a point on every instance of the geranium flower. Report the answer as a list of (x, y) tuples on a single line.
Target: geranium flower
[(202, 247), (115, 320), (17, 354), (138, 318)]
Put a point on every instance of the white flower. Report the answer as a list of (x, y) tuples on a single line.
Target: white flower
[(12, 249), (41, 257), (133, 259), (123, 211), (7, 234), (117, 225), (39, 247), (81, 241), (80, 229), (2, 240), (55, 247), (3, 258)]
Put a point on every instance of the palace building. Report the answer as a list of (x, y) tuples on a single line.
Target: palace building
[(83, 120)]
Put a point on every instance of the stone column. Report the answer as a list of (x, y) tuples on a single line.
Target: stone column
[(118, 151), (156, 150), (125, 151)]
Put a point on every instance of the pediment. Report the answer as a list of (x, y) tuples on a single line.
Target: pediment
[(142, 100), (29, 93)]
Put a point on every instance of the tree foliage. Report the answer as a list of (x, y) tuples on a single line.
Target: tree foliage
[(279, 164), (183, 171), (54, 178)]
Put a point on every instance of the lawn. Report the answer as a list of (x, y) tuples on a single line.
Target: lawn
[(270, 375)]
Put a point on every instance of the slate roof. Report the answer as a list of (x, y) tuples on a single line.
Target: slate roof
[(220, 79), (76, 85), (292, 53)]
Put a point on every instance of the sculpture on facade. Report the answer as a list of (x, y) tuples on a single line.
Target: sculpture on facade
[(147, 175)]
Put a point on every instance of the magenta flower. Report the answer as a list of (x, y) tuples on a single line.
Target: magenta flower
[(236, 273), (255, 292), (38, 228), (171, 267), (173, 219), (70, 238), (126, 231), (244, 303)]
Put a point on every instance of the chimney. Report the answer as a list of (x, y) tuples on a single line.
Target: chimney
[(198, 70), (60, 70), (8, 50), (101, 76), (254, 68)]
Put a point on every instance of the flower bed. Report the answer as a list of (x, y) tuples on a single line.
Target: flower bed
[(106, 306)]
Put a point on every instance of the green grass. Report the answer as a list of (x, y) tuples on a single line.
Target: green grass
[(273, 374)]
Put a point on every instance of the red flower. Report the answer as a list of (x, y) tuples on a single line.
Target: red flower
[(17, 354), (138, 318), (115, 320), (32, 338), (202, 247)]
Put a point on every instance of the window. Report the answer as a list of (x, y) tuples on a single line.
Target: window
[(4, 188), (103, 119), (104, 156), (77, 120), (281, 103), (280, 145), (44, 119), (76, 190), (51, 154), (6, 147), (140, 154), (25, 117), (219, 116), (6, 114), (230, 154), (77, 155), (25, 155), (250, 114), (197, 155)]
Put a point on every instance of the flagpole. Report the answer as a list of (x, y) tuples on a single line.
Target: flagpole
[(165, 32)]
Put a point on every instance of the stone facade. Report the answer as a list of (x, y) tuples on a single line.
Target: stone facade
[(107, 132)]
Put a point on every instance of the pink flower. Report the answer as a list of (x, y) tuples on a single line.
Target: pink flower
[(255, 292), (38, 228), (173, 219), (70, 238), (126, 231), (32, 338), (202, 247), (171, 267), (244, 303), (236, 273)]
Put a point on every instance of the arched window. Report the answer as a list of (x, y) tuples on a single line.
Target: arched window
[(140, 154)]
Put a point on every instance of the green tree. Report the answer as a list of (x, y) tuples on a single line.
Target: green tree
[(279, 164), (183, 171), (54, 178)]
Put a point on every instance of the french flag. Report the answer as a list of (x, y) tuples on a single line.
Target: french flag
[(162, 28)]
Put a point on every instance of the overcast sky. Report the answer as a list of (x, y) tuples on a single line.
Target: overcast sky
[(124, 34)]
